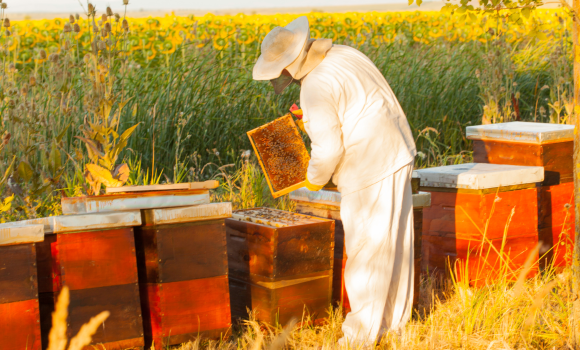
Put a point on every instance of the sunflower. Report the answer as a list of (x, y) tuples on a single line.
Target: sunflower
[(389, 37), (245, 37), (221, 41)]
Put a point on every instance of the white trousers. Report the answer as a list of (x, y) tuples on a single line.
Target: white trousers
[(378, 225)]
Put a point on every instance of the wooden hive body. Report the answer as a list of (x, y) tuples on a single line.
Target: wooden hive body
[(280, 264), (20, 320), (326, 204), (454, 227), (556, 220), (183, 273), (539, 144), (94, 255)]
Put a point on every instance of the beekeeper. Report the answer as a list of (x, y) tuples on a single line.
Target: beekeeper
[(360, 134)]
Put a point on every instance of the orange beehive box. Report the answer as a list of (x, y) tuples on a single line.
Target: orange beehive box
[(20, 320), (282, 155), (326, 204), (183, 273), (94, 255), (538, 144), (471, 206), (280, 264)]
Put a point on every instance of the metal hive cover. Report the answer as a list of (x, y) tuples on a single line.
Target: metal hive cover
[(477, 176), (522, 132), (282, 155)]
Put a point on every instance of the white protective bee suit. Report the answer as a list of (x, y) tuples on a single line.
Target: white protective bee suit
[(361, 138)]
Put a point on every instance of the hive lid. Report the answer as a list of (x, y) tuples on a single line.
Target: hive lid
[(21, 234), (522, 132), (133, 201), (82, 222), (275, 217), (206, 185), (194, 213), (479, 176), (332, 198)]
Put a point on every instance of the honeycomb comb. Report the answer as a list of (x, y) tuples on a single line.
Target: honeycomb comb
[(282, 155)]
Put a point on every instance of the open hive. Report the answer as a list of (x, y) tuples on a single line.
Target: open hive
[(280, 264), (282, 154)]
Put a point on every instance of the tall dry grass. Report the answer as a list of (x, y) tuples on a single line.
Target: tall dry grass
[(533, 314)]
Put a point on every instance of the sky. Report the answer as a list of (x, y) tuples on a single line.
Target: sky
[(18, 6)]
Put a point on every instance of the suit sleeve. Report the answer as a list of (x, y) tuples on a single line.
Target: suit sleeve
[(319, 102)]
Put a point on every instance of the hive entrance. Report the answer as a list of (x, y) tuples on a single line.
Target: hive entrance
[(282, 154)]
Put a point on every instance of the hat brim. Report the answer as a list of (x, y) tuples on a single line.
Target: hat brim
[(268, 70)]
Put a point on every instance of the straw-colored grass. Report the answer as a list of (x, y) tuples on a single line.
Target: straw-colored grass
[(532, 315)]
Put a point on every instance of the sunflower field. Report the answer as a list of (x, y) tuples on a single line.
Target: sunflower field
[(150, 38)]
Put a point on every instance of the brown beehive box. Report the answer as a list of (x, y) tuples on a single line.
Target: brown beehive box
[(20, 320), (183, 273), (94, 255), (280, 264), (467, 198), (524, 143), (556, 220), (540, 144), (326, 204), (282, 155)]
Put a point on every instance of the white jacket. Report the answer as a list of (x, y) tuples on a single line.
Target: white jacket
[(357, 127)]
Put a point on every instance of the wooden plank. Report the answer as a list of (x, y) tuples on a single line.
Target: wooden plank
[(20, 325), (133, 201), (166, 216), (18, 273), (172, 253), (205, 185), (179, 311), (21, 234), (82, 222), (477, 176), (278, 306), (148, 188)]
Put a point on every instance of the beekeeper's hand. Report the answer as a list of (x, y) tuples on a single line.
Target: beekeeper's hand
[(313, 187)]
